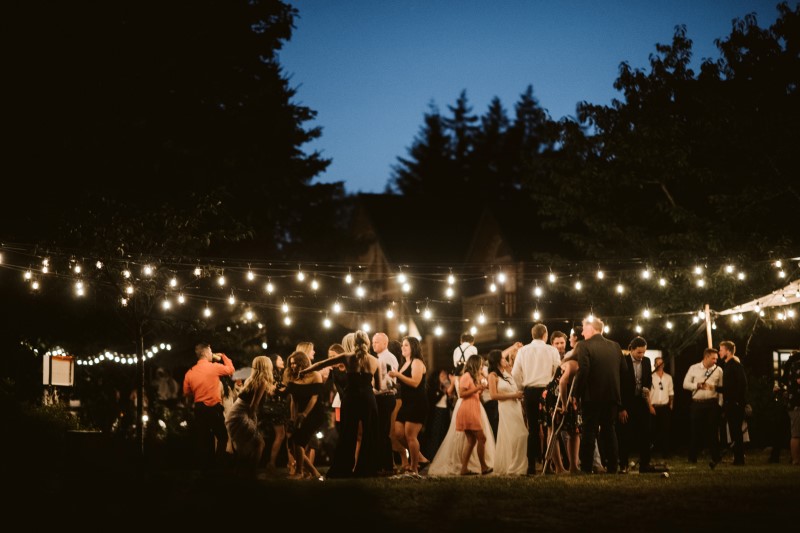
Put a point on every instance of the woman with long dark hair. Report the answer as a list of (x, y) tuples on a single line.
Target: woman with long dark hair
[(414, 408), (307, 415)]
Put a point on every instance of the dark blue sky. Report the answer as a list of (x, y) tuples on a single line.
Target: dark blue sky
[(371, 67)]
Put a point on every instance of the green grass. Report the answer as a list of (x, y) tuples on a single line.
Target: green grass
[(692, 498)]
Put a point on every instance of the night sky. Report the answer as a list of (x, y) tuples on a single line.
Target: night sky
[(371, 68)]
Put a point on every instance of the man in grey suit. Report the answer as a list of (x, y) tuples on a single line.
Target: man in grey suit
[(597, 384)]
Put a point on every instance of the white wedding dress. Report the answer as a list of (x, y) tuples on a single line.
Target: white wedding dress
[(511, 452), (447, 461)]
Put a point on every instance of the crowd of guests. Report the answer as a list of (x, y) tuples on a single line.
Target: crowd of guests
[(527, 410)]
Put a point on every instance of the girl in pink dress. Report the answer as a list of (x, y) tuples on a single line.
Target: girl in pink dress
[(468, 418)]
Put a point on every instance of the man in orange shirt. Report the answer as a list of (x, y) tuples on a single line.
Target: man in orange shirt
[(202, 387)]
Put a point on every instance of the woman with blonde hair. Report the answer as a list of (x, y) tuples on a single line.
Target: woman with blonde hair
[(242, 419), (357, 447), (307, 347)]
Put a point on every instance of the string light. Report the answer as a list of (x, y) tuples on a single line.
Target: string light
[(148, 268), (269, 287), (402, 328)]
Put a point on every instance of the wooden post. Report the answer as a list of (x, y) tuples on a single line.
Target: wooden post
[(708, 326)]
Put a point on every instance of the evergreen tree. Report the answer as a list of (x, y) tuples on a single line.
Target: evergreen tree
[(142, 107), (491, 166), (429, 170)]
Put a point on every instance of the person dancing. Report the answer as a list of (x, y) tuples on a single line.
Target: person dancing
[(468, 418), (359, 412), (242, 421), (414, 408)]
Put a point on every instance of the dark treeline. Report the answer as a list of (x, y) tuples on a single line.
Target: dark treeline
[(170, 128), (682, 164)]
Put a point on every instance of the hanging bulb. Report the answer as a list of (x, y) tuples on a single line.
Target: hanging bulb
[(348, 279), (270, 288), (551, 278), (501, 278), (250, 275), (449, 292), (326, 323), (451, 279)]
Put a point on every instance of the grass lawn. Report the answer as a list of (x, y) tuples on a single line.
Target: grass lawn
[(693, 498)]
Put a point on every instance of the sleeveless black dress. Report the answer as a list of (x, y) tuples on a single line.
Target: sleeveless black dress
[(358, 406), (301, 393), (415, 401)]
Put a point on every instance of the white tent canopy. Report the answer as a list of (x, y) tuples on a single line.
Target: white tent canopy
[(788, 295)]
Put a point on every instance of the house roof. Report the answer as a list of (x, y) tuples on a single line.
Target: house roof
[(413, 230)]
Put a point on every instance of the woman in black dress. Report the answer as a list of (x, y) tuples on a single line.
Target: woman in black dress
[(359, 412), (414, 408), (307, 415)]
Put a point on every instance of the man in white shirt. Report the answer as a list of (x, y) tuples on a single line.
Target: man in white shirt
[(386, 400), (662, 396), (702, 380), (462, 352), (534, 368)]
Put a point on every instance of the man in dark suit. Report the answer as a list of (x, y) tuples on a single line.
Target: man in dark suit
[(734, 398), (633, 430), (600, 367)]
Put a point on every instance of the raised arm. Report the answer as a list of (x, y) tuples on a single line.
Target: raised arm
[(325, 363)]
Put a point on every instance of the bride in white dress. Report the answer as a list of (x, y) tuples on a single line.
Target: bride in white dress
[(447, 461), (511, 452)]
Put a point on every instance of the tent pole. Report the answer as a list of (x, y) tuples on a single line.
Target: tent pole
[(708, 326)]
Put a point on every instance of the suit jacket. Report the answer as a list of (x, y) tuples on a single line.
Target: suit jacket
[(600, 367), (734, 383), (628, 381)]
